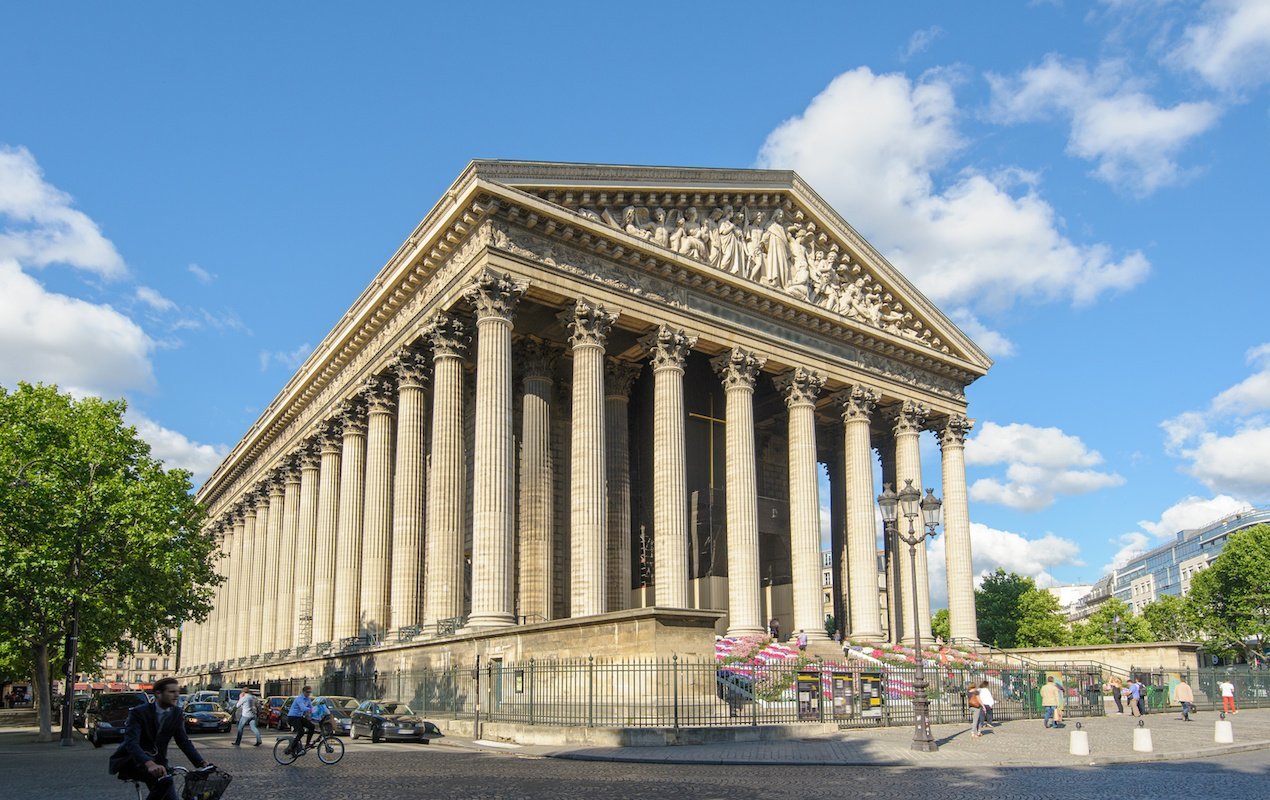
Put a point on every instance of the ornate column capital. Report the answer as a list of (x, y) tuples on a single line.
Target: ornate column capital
[(738, 368), (668, 347), (858, 402), (910, 417), (448, 336), (589, 322), (800, 386), (380, 392), (953, 434), (275, 483), (410, 367), (619, 376), (328, 436), (537, 359), (494, 295), (351, 416)]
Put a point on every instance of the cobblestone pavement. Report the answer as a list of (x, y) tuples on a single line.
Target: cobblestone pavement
[(462, 769)]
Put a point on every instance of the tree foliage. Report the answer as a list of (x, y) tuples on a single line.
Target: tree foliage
[(87, 515), (1231, 599), (1112, 622), (939, 624), (1171, 619), (1041, 622), (997, 604)]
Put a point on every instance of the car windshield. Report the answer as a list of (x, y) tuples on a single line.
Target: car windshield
[(276, 702), (118, 702), (195, 708), (394, 708), (342, 702), (339, 713)]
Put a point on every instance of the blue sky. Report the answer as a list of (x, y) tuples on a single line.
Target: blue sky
[(191, 195)]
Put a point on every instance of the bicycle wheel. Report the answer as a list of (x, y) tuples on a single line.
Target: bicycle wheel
[(282, 751), (330, 750)]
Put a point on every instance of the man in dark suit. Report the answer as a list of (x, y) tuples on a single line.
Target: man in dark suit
[(143, 755)]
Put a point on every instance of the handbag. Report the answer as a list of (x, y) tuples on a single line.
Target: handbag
[(974, 700)]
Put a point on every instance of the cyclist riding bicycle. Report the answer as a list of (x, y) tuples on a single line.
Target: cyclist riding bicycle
[(323, 717), (143, 755), (299, 720)]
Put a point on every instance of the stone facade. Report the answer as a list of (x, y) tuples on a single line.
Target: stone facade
[(585, 401)]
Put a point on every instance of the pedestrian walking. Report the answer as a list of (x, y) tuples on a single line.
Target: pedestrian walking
[(802, 639), (988, 701), (1135, 696), (1115, 695), (1183, 694), (1142, 698), (774, 627), (248, 708), (1049, 700), (1062, 700), (1227, 690)]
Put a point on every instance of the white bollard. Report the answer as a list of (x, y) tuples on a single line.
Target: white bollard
[(1079, 745), (1142, 740), (1224, 733)]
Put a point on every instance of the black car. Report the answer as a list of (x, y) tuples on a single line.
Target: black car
[(206, 717), (78, 710), (382, 720), (341, 721), (106, 714)]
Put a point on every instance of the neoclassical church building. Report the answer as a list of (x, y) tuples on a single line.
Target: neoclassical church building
[(584, 410)]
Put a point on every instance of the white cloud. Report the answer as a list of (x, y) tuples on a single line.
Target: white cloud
[(920, 40), (1132, 545), (291, 360), (152, 298), (1133, 141), (1013, 552), (1186, 514), (872, 145), (1041, 464), (994, 343), (175, 449), (204, 277), (39, 225), (1229, 47), (52, 338)]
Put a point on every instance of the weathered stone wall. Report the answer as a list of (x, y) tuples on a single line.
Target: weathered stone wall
[(1142, 655)]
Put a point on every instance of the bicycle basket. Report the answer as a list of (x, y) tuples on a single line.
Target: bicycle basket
[(206, 786)]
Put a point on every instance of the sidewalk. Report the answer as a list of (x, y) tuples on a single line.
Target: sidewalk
[(1010, 744)]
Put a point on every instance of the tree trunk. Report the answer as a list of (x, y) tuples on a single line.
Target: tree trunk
[(43, 695)]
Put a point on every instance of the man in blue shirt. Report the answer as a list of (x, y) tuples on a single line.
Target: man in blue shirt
[(298, 718)]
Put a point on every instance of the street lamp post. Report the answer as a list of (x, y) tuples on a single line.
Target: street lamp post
[(907, 503)]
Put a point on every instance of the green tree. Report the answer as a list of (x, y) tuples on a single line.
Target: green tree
[(89, 520), (1041, 621), (1171, 619), (997, 607), (939, 624), (1231, 599), (1112, 622)]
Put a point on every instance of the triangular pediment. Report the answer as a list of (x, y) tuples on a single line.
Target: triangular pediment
[(764, 226)]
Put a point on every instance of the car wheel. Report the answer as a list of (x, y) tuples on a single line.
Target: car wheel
[(352, 732)]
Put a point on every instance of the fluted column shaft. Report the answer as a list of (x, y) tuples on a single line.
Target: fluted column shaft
[(249, 606), (908, 466), (227, 629), (324, 548), (962, 623), (801, 387), (617, 402), (443, 565), (270, 563), (495, 297), (738, 370), (348, 543), (377, 528), (588, 497), (257, 587), (861, 525), (537, 484), (406, 604), (669, 348), (284, 624), (304, 554)]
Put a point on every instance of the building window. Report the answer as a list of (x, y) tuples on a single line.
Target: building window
[(165, 663), (141, 664)]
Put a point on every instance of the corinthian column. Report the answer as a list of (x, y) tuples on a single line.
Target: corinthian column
[(588, 513), (961, 588), (739, 369), (284, 623), (407, 494), (618, 378), (249, 606), (348, 542), (857, 406), (908, 466), (443, 589), (800, 387), (305, 550), (668, 348), (328, 526), (229, 621), (537, 481), (377, 527), (495, 297), (269, 580)]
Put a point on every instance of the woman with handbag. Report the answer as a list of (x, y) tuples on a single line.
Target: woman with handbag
[(976, 710)]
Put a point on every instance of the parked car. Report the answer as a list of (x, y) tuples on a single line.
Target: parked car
[(228, 698), (345, 702), (271, 710), (105, 716), (282, 713), (78, 709), (382, 720), (205, 696), (206, 717), (341, 720)]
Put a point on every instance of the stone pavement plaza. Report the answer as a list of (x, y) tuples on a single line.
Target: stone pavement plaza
[(1008, 759)]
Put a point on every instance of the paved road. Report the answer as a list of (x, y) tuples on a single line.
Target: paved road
[(402, 771)]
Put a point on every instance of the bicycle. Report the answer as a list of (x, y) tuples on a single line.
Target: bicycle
[(330, 749), (204, 783)]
